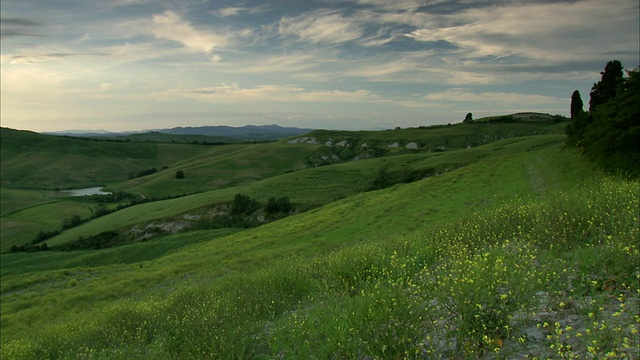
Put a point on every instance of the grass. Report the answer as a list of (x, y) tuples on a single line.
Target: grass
[(316, 186), (21, 226), (32, 161), (520, 249), (462, 289), (221, 167)]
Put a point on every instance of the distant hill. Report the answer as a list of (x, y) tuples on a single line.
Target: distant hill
[(524, 117), (247, 132)]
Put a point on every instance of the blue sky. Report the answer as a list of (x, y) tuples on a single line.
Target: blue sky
[(340, 64)]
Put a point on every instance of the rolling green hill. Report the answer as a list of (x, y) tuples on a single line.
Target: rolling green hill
[(63, 162), (31, 160), (505, 244)]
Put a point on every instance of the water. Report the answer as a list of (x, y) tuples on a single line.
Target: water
[(85, 192)]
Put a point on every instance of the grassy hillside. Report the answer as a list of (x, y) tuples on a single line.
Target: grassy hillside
[(520, 242), (68, 162), (309, 187), (31, 160), (494, 246), (222, 166), (443, 137)]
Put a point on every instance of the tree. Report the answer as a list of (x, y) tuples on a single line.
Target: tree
[(284, 204), (468, 118), (179, 174), (243, 204), (579, 120), (576, 104), (606, 88), (576, 129), (280, 205), (613, 138)]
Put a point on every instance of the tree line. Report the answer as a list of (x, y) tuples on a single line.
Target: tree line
[(609, 132)]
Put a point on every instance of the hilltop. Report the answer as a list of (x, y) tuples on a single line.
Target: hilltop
[(488, 239)]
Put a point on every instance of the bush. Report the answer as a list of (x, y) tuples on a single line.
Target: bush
[(243, 204), (71, 222), (44, 235), (100, 241), (280, 205)]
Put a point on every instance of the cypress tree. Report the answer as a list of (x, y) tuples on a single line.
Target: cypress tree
[(576, 104)]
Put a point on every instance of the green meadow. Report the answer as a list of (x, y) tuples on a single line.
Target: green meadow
[(484, 240)]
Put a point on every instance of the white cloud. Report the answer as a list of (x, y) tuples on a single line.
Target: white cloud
[(172, 26), (398, 5), (328, 27), (239, 10), (232, 92), (384, 70), (114, 86), (465, 95), (229, 11), (272, 64), (562, 31)]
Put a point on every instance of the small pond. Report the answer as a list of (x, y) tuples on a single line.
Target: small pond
[(85, 192)]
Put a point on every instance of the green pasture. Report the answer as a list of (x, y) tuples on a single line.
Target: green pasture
[(30, 160), (511, 245), (309, 187), (445, 136), (222, 166), (352, 277), (26, 212), (23, 263)]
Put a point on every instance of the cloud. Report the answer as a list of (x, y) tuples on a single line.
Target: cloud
[(13, 26), (239, 10), (113, 86), (32, 57), (398, 5), (232, 92), (558, 31), (384, 70), (270, 64), (19, 22), (465, 95), (322, 26), (169, 25)]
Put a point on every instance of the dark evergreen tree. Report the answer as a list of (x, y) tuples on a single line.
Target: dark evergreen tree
[(576, 104), (468, 118), (613, 138), (243, 204), (606, 88), (579, 120)]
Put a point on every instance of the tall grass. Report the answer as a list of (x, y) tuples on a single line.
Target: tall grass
[(552, 276)]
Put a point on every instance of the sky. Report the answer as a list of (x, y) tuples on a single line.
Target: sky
[(127, 65)]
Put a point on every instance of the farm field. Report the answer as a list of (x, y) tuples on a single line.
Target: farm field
[(487, 240)]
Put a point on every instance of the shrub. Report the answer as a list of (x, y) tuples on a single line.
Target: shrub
[(243, 204), (279, 205)]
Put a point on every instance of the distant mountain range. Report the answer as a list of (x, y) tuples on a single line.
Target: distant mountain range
[(247, 132)]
